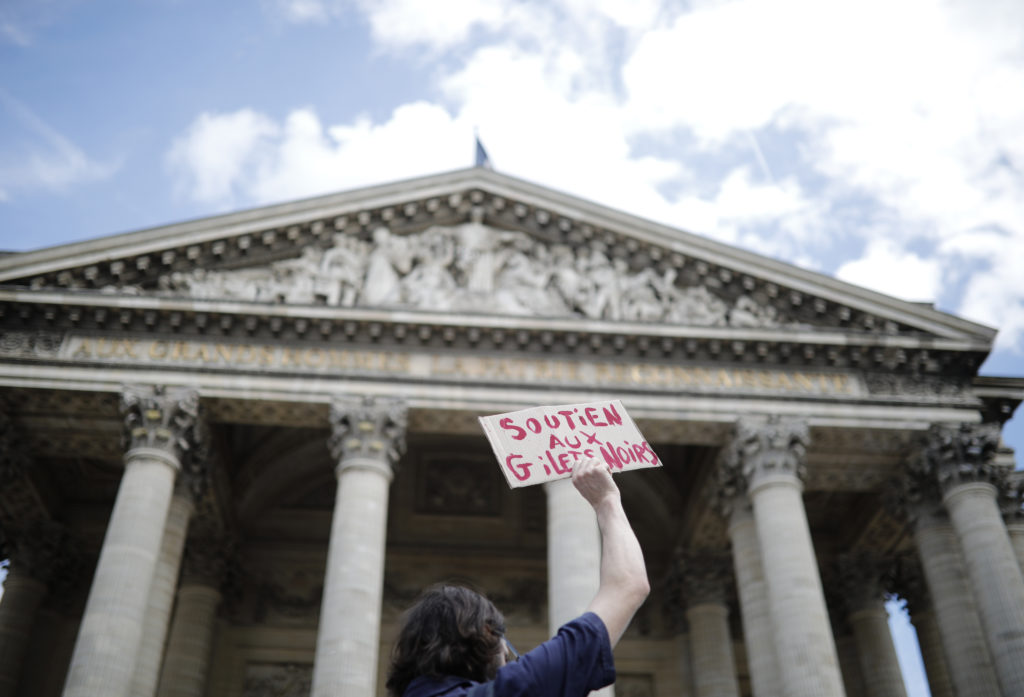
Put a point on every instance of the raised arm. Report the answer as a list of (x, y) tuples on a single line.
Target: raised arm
[(624, 584)]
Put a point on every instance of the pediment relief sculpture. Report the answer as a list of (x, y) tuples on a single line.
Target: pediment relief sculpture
[(475, 268)]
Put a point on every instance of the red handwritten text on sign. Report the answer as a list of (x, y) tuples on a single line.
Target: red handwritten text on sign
[(543, 443)]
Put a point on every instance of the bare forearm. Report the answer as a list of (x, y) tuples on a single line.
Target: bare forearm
[(622, 562), (623, 585)]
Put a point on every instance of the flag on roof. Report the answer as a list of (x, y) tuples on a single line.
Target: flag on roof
[(482, 158)]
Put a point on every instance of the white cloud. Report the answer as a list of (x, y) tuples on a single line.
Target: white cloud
[(245, 156), (49, 160), (300, 11), (888, 269), (832, 127), (440, 25), (994, 294), (221, 153), (14, 34)]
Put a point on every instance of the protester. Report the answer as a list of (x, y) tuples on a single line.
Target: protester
[(453, 643)]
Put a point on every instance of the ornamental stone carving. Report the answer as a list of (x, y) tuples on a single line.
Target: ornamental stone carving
[(278, 680), (763, 446), (952, 454), (1011, 501), (705, 577), (206, 560), (30, 344), (163, 419), (475, 268), (906, 579), (45, 550), (367, 428), (862, 579)]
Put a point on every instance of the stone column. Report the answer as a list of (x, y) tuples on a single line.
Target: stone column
[(685, 671), (849, 663), (1015, 529), (161, 593), (187, 662), (995, 577), (161, 432), (1013, 514), (368, 436), (908, 582), (864, 598), (574, 553), (842, 632), (38, 551), (754, 608), (21, 599), (966, 651), (574, 557), (768, 454), (930, 643), (706, 579), (962, 459)]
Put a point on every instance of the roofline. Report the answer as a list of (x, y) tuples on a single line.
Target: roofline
[(148, 240)]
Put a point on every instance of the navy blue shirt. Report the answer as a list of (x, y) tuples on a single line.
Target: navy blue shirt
[(573, 663)]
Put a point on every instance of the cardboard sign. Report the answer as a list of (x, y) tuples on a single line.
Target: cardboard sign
[(543, 443)]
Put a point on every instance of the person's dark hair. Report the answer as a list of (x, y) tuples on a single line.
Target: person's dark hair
[(451, 630)]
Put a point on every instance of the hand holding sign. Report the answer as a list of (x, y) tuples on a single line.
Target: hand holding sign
[(593, 479), (544, 443)]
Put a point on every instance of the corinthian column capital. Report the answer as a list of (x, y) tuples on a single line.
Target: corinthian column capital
[(1011, 502), (162, 419), (957, 453), (367, 430), (706, 577), (863, 579), (765, 446)]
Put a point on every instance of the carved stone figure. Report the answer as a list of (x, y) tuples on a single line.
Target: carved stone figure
[(429, 283), (474, 268), (388, 261)]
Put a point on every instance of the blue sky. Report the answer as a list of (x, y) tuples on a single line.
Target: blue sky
[(880, 142)]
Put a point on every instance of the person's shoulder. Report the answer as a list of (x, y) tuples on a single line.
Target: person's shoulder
[(439, 687), (590, 622)]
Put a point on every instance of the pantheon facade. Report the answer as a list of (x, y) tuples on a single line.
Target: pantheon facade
[(235, 449)]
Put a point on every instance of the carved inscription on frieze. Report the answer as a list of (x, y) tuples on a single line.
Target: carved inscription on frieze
[(321, 361)]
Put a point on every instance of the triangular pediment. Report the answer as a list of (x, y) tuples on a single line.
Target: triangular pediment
[(475, 241)]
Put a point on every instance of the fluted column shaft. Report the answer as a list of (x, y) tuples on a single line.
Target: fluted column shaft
[(714, 666), (348, 636), (574, 557), (754, 608), (930, 643), (1015, 530), (849, 664), (161, 596), (574, 553), (995, 575), (967, 657), (108, 640), (22, 595), (368, 436), (879, 665), (162, 428), (808, 663), (684, 665), (190, 641)]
